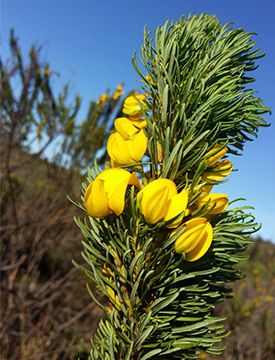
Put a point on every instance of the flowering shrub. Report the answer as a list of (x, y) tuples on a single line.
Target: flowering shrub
[(159, 244)]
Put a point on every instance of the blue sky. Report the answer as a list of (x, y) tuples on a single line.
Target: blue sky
[(91, 42)]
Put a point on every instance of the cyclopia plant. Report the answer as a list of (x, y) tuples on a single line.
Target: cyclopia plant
[(159, 241)]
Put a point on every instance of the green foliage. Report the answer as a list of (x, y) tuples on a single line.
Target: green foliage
[(160, 304)]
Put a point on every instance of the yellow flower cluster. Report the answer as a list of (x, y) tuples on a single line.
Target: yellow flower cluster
[(189, 220), (127, 145)]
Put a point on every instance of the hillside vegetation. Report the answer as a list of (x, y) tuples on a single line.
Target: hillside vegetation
[(46, 312)]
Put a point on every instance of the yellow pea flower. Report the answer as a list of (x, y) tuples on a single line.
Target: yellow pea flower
[(119, 91), (219, 202), (106, 194), (195, 239), (159, 200), (133, 105), (128, 144), (220, 171), (214, 155)]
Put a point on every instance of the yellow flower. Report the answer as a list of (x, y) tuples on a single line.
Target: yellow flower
[(140, 123), (119, 91), (134, 105), (106, 194), (218, 202), (195, 239), (127, 145), (160, 200), (220, 171), (102, 100), (214, 155)]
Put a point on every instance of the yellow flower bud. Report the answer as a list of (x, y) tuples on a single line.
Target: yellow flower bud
[(220, 171), (218, 202), (195, 239), (106, 194), (134, 104), (214, 155), (159, 200)]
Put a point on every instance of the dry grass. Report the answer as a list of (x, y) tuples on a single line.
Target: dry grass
[(46, 312)]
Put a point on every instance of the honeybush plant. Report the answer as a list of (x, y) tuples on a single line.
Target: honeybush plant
[(160, 247)]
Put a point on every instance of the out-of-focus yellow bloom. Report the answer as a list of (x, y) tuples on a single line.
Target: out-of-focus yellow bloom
[(195, 239), (127, 145), (214, 155), (102, 100), (134, 105), (220, 171), (218, 202), (148, 78), (106, 194), (119, 91), (160, 200)]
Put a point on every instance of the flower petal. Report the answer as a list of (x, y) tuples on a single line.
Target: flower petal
[(202, 246), (118, 150), (178, 204), (154, 206), (222, 169), (95, 199), (116, 197), (115, 184), (139, 123), (137, 146), (191, 236), (218, 202), (154, 199), (125, 128), (214, 155), (113, 177), (133, 105)]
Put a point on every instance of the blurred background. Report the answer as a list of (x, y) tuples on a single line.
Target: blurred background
[(61, 70)]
